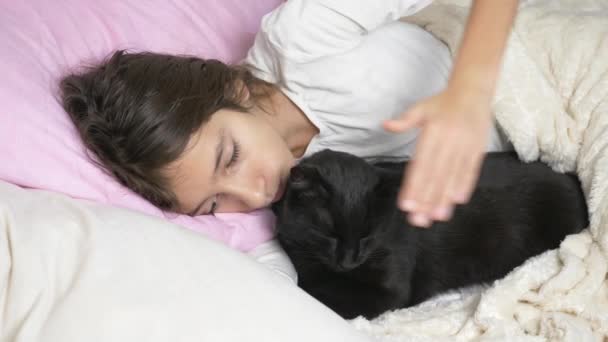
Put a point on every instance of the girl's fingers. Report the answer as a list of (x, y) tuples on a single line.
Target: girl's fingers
[(441, 167), (446, 163), (445, 208), (416, 178), (469, 173)]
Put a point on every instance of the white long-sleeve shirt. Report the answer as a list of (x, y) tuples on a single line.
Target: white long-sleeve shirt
[(349, 65)]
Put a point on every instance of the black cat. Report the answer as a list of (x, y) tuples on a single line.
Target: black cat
[(355, 252)]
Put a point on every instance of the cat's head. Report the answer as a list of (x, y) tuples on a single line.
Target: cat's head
[(326, 213)]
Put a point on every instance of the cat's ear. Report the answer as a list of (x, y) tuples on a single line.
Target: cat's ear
[(307, 181), (303, 177)]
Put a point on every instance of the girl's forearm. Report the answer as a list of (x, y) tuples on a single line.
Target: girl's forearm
[(479, 59)]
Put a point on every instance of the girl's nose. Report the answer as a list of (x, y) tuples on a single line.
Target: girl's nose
[(250, 191)]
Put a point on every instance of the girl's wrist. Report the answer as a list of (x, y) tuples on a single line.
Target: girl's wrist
[(478, 89), (471, 98), (472, 81)]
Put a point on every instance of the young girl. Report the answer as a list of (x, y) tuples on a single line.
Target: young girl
[(198, 136)]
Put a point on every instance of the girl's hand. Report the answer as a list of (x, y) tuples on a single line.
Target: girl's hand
[(455, 124), (445, 167)]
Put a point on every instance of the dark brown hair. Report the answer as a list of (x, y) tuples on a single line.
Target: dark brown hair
[(136, 112)]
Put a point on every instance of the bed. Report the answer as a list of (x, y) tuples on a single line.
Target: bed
[(82, 258)]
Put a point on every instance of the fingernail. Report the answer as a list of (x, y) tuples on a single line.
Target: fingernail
[(408, 205), (419, 220), (442, 213), (460, 198)]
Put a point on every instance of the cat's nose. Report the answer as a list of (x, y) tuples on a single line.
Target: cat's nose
[(349, 262), (348, 265)]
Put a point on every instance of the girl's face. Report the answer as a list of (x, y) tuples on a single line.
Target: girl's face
[(237, 162)]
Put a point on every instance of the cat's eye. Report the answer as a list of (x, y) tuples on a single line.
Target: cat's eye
[(323, 236), (333, 244), (365, 243)]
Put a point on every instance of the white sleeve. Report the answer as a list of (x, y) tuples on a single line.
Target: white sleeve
[(369, 14), (272, 255), (306, 29)]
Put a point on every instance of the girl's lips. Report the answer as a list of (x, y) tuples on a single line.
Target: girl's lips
[(279, 193)]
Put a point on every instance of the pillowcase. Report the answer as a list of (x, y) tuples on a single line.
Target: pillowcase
[(44, 40), (74, 271)]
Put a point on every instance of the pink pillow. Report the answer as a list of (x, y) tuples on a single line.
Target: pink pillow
[(42, 40)]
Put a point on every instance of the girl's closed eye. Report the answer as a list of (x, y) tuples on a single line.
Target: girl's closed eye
[(213, 207), (236, 151), (214, 204)]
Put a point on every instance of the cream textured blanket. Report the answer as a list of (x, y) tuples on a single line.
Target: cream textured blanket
[(552, 101)]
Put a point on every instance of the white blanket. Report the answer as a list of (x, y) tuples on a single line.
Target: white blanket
[(552, 101), (78, 271)]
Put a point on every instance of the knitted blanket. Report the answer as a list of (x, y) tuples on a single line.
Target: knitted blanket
[(552, 102)]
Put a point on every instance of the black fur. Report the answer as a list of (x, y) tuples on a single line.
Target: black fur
[(355, 252)]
